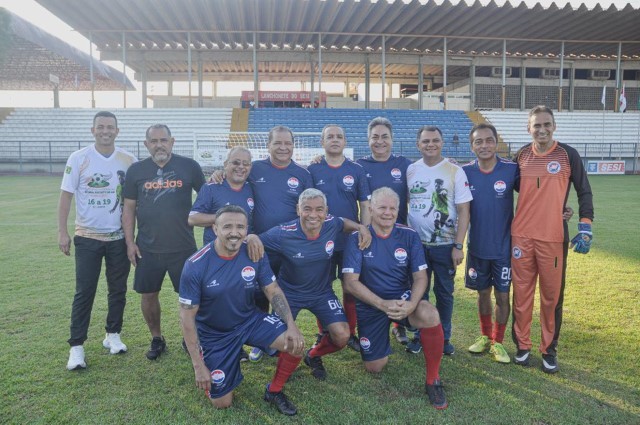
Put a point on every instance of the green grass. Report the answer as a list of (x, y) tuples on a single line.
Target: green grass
[(599, 348)]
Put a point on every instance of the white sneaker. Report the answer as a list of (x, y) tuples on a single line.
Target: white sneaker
[(76, 358), (113, 343)]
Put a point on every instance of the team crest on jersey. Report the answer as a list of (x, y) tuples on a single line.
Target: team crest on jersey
[(248, 273), (499, 186), (250, 202), (400, 254), (553, 167), (348, 181), (473, 274), (365, 343), (217, 377), (329, 247), (293, 183), (517, 252), (396, 173)]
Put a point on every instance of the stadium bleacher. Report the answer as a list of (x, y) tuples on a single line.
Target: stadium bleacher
[(355, 121), (593, 134)]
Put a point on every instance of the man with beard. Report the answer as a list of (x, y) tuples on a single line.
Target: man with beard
[(157, 193)]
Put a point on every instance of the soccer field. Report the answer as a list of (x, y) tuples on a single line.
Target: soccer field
[(598, 382)]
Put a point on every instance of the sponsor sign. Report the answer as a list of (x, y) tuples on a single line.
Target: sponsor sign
[(605, 167)]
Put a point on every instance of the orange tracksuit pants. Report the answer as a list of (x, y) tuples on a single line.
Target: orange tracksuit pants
[(533, 260)]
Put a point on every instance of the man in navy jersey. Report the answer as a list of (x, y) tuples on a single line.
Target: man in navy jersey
[(389, 279), (158, 194), (344, 183), (306, 246), (218, 314), (492, 181), (234, 190), (386, 169)]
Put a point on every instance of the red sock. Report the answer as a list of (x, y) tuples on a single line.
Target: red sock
[(349, 304), (498, 332), (326, 346), (485, 324), (320, 330), (432, 340), (287, 364)]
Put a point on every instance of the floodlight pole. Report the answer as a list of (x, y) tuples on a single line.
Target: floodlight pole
[(93, 83), (616, 102), (504, 75), (444, 76), (367, 82), (320, 69), (560, 80), (420, 82), (124, 71), (189, 65)]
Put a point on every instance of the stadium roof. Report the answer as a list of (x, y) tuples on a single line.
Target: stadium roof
[(221, 33), (28, 55)]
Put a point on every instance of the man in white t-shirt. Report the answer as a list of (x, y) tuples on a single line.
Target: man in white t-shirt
[(439, 204), (95, 176)]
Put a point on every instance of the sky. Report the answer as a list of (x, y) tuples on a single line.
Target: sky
[(38, 15)]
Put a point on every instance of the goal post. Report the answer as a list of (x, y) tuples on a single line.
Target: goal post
[(210, 149)]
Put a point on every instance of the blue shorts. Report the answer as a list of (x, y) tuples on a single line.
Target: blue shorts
[(482, 274), (221, 350), (373, 328), (326, 307)]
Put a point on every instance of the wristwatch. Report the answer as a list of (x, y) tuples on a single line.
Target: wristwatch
[(458, 246)]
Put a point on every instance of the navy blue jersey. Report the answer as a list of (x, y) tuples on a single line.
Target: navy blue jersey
[(304, 273), (344, 187), (386, 268), (214, 196), (491, 208), (276, 191), (223, 287), (391, 173)]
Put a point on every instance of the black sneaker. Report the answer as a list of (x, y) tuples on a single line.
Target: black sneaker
[(244, 357), (414, 346), (448, 348), (354, 343), (317, 368), (437, 398), (281, 402), (550, 363), (158, 346), (522, 357)]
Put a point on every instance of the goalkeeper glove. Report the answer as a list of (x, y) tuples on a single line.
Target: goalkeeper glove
[(581, 242)]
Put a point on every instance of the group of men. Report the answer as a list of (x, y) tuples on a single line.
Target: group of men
[(278, 233)]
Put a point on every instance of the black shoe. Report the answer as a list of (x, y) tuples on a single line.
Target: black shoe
[(437, 398), (317, 368), (184, 346), (281, 402), (522, 357), (244, 357), (448, 348), (354, 343), (550, 363), (414, 346), (158, 346)]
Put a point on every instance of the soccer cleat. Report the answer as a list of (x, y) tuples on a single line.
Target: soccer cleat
[(550, 363), (353, 343), (414, 346), (158, 346), (244, 357), (522, 357), (499, 353), (114, 344), (256, 354), (76, 358), (481, 345), (401, 334), (437, 398), (317, 368), (281, 402), (319, 337), (448, 348)]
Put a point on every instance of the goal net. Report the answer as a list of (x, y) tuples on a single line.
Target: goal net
[(210, 150)]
